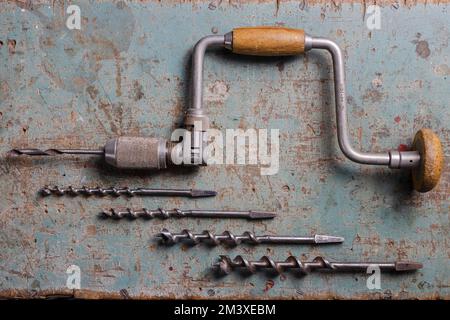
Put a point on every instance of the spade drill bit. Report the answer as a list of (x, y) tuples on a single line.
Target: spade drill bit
[(126, 191), (249, 237), (225, 265), (177, 213)]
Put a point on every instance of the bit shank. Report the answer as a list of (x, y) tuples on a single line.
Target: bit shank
[(228, 237), (225, 265), (126, 191), (178, 213)]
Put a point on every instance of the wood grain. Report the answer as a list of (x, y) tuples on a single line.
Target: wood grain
[(268, 41)]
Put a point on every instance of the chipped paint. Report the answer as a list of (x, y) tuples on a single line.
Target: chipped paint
[(127, 72)]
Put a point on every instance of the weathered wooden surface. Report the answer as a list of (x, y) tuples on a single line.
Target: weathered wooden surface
[(126, 72)]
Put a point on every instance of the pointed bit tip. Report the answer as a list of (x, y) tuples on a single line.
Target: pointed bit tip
[(407, 266), (318, 238), (107, 212), (261, 214), (28, 152), (221, 266), (45, 191), (202, 193)]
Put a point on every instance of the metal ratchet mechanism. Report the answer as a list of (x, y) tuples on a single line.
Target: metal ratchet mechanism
[(425, 158)]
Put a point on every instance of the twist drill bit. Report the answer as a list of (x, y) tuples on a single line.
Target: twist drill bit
[(225, 265), (126, 191), (178, 213), (120, 152), (248, 237), (53, 152)]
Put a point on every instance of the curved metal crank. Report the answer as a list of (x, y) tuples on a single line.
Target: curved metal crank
[(426, 155)]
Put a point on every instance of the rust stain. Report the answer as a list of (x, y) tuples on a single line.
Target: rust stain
[(95, 295), (92, 91), (107, 109), (91, 230), (48, 70), (118, 73), (423, 49), (12, 46), (214, 4), (47, 42), (137, 92), (373, 95), (442, 70), (79, 82), (280, 66), (137, 266), (269, 285)]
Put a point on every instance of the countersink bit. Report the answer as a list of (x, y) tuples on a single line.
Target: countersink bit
[(248, 237), (225, 265), (178, 213), (126, 191)]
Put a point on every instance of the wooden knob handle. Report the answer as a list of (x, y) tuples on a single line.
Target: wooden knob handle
[(268, 41), (426, 175)]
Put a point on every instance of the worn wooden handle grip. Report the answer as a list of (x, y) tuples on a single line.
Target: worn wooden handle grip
[(268, 41), (427, 175)]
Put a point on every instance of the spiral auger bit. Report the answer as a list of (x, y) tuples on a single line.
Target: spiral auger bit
[(228, 238), (120, 213), (226, 265), (425, 157), (124, 191)]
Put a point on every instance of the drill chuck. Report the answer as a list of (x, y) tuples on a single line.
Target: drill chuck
[(137, 152)]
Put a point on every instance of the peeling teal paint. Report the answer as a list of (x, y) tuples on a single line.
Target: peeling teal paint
[(79, 88)]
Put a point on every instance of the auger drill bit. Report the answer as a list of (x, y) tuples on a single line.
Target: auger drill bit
[(247, 237), (178, 213), (126, 191), (225, 265)]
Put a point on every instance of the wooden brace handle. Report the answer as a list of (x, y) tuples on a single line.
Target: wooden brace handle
[(268, 41)]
